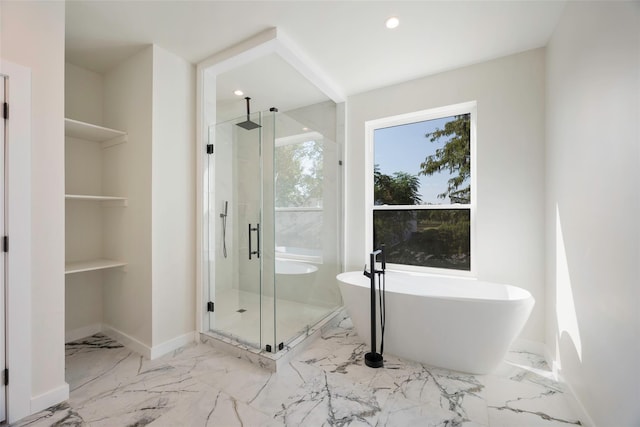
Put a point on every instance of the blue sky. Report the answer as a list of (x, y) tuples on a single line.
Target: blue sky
[(403, 148)]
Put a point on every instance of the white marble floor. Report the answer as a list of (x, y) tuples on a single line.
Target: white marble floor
[(325, 385)]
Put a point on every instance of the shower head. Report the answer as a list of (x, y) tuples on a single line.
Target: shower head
[(248, 124)]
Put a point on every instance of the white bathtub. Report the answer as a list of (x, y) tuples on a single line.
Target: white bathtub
[(295, 280), (288, 267), (455, 323)]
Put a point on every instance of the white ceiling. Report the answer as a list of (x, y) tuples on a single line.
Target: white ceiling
[(270, 82), (347, 40)]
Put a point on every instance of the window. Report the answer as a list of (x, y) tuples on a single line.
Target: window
[(421, 192)]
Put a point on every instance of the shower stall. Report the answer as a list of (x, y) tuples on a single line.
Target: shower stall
[(272, 226)]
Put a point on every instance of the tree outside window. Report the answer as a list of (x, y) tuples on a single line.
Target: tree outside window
[(298, 175)]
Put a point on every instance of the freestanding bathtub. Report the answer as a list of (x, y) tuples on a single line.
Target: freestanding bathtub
[(295, 280), (455, 323)]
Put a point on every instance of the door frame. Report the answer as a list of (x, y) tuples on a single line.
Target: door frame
[(4, 87), (18, 347)]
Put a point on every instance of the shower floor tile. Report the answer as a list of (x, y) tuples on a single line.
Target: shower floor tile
[(238, 315), (326, 384)]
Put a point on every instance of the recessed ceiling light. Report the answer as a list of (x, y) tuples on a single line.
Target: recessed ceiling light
[(392, 22), (305, 129), (238, 92)]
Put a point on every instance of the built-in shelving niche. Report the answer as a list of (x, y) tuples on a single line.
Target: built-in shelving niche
[(94, 133), (106, 138)]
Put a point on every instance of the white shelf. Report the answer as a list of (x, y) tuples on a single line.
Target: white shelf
[(97, 264), (106, 200), (89, 132), (88, 197), (106, 138)]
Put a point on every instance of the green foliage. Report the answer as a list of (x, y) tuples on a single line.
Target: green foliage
[(298, 174), (400, 189), (431, 238), (453, 157)]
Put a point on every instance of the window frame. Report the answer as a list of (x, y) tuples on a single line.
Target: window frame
[(419, 116)]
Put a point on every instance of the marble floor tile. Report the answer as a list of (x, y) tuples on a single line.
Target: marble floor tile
[(327, 384), (212, 407)]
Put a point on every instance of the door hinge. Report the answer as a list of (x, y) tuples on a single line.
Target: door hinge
[(5, 377), (210, 306), (209, 148), (5, 110), (5, 244)]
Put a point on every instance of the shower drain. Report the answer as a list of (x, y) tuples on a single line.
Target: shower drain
[(242, 310)]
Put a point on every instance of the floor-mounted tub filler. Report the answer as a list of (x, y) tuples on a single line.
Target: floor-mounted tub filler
[(455, 323)]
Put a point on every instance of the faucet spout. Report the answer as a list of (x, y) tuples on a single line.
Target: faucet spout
[(366, 273)]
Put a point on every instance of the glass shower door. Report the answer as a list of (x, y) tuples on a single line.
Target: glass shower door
[(272, 226), (304, 204), (235, 221)]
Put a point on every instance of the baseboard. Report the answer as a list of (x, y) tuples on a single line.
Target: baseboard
[(127, 341), (551, 361), (50, 398), (530, 346), (83, 332), (173, 344), (576, 405), (572, 397)]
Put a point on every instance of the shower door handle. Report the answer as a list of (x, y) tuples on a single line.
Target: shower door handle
[(257, 230)]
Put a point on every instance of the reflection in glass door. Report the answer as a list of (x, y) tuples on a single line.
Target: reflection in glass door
[(305, 207)]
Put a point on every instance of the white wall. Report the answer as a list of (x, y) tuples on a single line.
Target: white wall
[(128, 94), (510, 162), (593, 206), (83, 90), (173, 202), (221, 189), (83, 94), (33, 36)]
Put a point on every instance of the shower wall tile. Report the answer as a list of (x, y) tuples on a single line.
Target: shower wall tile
[(325, 384)]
